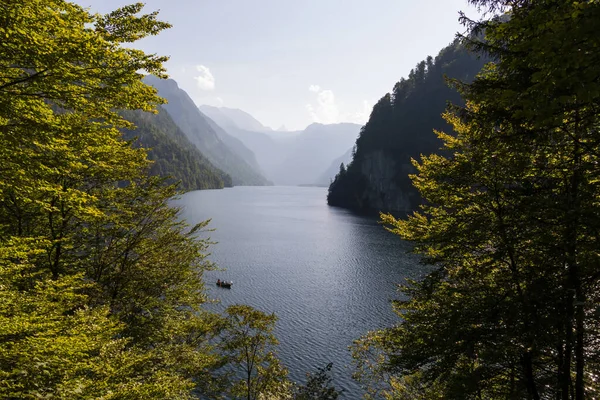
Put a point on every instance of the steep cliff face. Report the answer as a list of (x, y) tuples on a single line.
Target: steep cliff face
[(400, 128), (383, 191)]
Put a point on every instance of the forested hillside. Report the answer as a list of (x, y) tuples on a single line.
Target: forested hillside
[(199, 131), (102, 290), (509, 226), (171, 152), (237, 146), (401, 127)]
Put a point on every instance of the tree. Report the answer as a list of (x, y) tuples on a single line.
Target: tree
[(510, 224), (318, 386), (61, 84), (107, 257), (401, 126), (250, 344), (342, 169), (53, 344), (556, 103)]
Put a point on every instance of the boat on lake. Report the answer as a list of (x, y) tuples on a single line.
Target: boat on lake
[(224, 284)]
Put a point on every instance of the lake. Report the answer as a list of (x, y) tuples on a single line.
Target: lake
[(329, 275)]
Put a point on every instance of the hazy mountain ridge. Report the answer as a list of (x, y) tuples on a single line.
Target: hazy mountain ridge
[(199, 130), (329, 175), (172, 152), (290, 157), (312, 151), (233, 118), (237, 146)]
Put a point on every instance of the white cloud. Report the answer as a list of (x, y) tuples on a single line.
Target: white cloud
[(361, 116), (205, 80), (327, 107), (326, 110), (311, 112)]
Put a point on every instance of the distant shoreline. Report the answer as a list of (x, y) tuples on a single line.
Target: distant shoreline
[(312, 185)]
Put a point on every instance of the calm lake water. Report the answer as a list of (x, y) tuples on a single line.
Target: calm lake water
[(329, 275)]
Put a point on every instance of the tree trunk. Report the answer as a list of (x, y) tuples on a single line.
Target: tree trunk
[(579, 345), (526, 359), (566, 366)]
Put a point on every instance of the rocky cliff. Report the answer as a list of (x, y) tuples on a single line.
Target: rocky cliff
[(400, 128)]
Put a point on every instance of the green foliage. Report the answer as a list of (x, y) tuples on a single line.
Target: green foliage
[(510, 226), (53, 344), (101, 284), (342, 169), (250, 345), (400, 128), (318, 386)]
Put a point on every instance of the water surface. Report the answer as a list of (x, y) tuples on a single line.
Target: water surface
[(329, 275)]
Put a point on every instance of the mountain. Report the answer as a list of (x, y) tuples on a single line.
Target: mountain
[(401, 127), (291, 157), (270, 153), (201, 132), (172, 152), (310, 152), (233, 117), (237, 146), (223, 122), (329, 175)]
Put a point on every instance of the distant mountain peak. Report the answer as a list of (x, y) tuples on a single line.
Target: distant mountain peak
[(338, 127), (207, 136), (170, 84), (235, 118)]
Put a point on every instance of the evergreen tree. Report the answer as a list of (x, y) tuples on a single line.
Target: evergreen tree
[(318, 386), (400, 128), (510, 225)]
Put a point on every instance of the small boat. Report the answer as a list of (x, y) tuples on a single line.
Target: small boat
[(223, 284)]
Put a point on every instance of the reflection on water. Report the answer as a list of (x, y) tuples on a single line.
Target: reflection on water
[(328, 275)]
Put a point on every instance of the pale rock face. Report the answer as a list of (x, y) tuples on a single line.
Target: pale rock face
[(383, 192)]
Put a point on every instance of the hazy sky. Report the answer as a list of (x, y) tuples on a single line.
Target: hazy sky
[(294, 62)]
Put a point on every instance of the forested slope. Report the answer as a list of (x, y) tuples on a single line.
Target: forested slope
[(172, 153), (199, 131), (509, 226), (401, 127)]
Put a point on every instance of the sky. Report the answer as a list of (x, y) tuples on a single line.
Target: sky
[(291, 63)]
